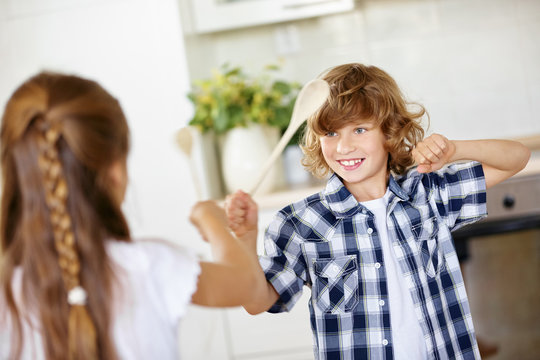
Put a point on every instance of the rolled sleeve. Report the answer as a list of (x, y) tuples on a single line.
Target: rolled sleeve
[(283, 263), (460, 193)]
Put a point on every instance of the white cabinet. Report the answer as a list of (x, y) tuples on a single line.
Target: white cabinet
[(271, 336), (283, 336), (217, 15), (233, 334)]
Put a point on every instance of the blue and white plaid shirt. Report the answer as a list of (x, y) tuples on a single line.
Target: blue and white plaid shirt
[(330, 243)]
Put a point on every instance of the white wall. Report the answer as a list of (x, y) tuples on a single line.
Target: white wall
[(472, 63), (135, 50)]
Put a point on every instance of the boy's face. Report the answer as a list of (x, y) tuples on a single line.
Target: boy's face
[(356, 153)]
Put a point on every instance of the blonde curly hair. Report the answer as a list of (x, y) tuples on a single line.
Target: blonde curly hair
[(359, 91)]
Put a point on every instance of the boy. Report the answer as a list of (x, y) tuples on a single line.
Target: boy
[(375, 246)]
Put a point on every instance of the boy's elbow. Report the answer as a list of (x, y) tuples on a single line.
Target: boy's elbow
[(252, 310), (262, 298), (525, 156), (255, 309)]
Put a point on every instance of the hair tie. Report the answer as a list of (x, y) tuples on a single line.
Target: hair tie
[(77, 296)]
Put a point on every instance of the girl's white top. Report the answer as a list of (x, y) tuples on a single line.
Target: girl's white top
[(156, 282)]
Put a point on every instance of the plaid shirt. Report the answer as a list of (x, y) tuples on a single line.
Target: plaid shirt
[(330, 243)]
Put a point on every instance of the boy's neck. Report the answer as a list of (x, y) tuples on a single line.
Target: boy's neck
[(368, 190)]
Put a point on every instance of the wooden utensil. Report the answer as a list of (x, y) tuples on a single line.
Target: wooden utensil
[(310, 98), (184, 139)]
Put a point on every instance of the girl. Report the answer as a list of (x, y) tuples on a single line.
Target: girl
[(73, 283)]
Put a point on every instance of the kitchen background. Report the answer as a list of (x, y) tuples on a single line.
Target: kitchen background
[(474, 64)]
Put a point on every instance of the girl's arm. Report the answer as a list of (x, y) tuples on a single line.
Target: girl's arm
[(235, 277), (500, 159)]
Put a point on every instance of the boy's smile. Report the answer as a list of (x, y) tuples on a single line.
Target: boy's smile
[(351, 164), (356, 153)]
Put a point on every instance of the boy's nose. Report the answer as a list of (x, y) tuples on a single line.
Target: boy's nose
[(345, 146)]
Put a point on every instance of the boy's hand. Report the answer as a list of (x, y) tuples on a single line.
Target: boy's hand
[(433, 153), (205, 214), (242, 215)]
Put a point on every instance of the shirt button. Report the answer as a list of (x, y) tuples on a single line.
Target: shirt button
[(381, 302), (385, 342), (364, 211), (369, 230), (377, 265), (335, 269)]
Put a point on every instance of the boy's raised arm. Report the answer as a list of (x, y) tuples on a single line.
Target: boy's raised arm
[(500, 159), (242, 215)]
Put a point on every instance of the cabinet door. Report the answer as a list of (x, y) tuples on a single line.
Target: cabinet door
[(233, 334), (216, 15), (203, 334), (271, 336)]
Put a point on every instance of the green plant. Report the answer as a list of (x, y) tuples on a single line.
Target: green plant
[(231, 98)]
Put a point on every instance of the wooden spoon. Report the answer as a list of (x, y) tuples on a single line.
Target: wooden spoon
[(184, 139), (312, 96)]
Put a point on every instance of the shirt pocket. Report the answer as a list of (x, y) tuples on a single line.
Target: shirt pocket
[(335, 287), (429, 249)]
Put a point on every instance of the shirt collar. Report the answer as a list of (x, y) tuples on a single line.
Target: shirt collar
[(343, 204)]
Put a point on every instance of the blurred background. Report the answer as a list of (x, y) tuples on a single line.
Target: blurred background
[(474, 64)]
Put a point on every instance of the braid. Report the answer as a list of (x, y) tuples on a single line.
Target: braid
[(56, 194), (59, 136)]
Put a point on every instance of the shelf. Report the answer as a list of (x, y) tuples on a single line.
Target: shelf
[(281, 198)]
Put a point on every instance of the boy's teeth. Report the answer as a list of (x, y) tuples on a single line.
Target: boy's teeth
[(350, 162)]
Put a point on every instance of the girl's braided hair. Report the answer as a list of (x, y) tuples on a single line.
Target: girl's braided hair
[(60, 134), (56, 194)]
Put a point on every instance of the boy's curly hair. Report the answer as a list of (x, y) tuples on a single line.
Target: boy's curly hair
[(360, 92)]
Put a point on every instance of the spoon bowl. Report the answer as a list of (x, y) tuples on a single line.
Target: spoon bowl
[(184, 140), (310, 98)]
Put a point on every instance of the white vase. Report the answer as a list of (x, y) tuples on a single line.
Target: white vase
[(205, 156), (295, 173), (244, 152)]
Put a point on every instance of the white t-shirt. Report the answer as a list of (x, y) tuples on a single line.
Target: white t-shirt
[(157, 281), (407, 335)]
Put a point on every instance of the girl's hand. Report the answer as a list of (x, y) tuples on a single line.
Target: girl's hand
[(205, 214), (242, 216), (433, 153)]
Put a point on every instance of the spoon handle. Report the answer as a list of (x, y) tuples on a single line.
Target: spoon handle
[(195, 179), (273, 157)]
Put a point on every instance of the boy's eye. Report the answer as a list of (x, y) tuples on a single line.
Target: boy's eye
[(331, 133), (359, 130)]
